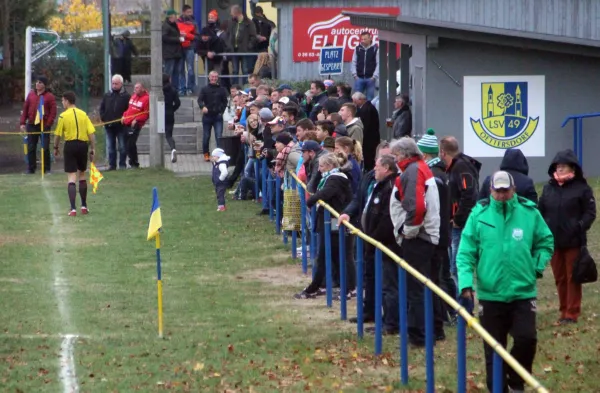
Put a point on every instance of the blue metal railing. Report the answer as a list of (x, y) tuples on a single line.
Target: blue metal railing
[(501, 356), (578, 132)]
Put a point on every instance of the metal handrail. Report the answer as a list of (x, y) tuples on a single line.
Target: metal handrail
[(578, 132), (470, 320)]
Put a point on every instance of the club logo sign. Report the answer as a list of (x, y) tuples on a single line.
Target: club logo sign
[(503, 113)]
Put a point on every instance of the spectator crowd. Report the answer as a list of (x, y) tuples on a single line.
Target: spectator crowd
[(488, 239)]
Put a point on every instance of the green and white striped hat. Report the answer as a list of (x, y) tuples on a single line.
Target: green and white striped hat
[(428, 144)]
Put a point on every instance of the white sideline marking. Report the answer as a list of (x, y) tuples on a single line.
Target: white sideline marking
[(67, 355)]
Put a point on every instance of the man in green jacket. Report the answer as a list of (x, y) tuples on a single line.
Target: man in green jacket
[(508, 244)]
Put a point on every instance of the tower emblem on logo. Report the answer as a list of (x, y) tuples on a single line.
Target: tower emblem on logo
[(505, 121)]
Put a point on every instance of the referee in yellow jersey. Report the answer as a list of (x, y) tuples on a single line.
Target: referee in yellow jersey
[(76, 128)]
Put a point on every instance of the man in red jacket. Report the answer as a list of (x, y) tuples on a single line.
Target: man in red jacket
[(134, 119), (30, 122), (188, 30)]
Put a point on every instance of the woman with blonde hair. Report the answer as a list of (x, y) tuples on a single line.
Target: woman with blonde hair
[(353, 149), (333, 189)]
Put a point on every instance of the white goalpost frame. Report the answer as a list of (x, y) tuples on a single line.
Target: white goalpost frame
[(31, 57)]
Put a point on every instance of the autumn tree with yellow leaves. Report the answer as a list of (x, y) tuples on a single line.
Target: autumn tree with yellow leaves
[(75, 17)]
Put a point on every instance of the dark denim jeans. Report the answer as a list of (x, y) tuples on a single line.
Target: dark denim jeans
[(247, 65), (171, 68), (116, 135), (365, 86), (208, 122), (187, 64)]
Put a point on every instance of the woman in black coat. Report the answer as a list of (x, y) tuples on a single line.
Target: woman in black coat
[(569, 208), (172, 103), (335, 190)]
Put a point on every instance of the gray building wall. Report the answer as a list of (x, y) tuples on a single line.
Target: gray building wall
[(572, 85), (571, 18)]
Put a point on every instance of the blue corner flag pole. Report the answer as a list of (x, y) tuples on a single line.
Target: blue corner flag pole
[(154, 228), (159, 284)]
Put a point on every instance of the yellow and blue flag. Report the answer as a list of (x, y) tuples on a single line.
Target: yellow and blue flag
[(39, 114), (155, 224)]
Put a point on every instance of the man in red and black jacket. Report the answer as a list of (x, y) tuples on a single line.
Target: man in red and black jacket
[(134, 119), (30, 122), (463, 181)]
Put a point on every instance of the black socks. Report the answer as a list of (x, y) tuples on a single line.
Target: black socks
[(83, 192), (72, 194)]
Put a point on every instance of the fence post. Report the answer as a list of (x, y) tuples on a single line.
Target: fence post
[(294, 232), (498, 382), (256, 181), (314, 247), (270, 195), (343, 283), (429, 340), (359, 287), (580, 141), (303, 233), (328, 278), (278, 205), (263, 176), (378, 300), (461, 354), (403, 320)]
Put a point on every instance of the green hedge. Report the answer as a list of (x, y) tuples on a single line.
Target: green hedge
[(12, 86)]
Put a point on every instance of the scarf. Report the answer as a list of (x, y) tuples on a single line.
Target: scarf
[(281, 159), (562, 179), (433, 161), (325, 176)]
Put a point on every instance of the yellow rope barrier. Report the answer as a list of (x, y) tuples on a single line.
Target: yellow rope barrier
[(21, 133), (472, 322)]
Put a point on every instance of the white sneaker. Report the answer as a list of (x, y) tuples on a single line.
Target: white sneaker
[(173, 156)]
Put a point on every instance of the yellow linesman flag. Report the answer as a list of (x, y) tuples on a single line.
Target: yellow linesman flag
[(95, 177), (155, 224)]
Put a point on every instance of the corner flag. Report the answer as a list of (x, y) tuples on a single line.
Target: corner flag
[(155, 223), (39, 114)]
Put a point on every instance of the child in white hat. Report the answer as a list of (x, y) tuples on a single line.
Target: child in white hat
[(220, 162)]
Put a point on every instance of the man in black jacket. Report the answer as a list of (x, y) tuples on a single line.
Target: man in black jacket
[(402, 117), (370, 118), (515, 163), (171, 47), (213, 102), (311, 152), (352, 213), (319, 97), (463, 178), (263, 29), (377, 223), (113, 105), (208, 48), (440, 272)]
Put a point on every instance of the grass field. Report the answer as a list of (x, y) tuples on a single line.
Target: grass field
[(231, 324)]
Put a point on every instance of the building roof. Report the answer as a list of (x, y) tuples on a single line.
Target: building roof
[(476, 33)]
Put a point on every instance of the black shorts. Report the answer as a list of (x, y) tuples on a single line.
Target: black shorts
[(76, 155)]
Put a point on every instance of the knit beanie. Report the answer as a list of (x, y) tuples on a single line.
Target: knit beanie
[(428, 144), (218, 152)]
